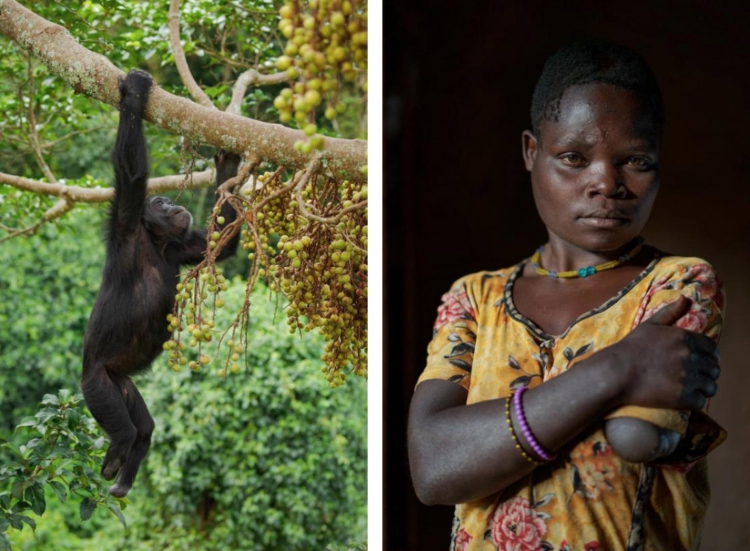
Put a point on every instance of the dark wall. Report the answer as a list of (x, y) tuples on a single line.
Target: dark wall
[(458, 85)]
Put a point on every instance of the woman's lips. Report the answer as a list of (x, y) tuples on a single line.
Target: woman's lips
[(603, 222), (605, 218)]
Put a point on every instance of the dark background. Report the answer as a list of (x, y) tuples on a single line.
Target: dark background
[(458, 82)]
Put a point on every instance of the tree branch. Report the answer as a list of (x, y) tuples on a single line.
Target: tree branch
[(251, 76), (60, 207), (102, 195), (94, 75), (179, 57)]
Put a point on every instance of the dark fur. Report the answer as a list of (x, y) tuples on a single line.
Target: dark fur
[(147, 241)]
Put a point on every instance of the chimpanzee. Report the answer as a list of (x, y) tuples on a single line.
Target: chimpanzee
[(147, 240)]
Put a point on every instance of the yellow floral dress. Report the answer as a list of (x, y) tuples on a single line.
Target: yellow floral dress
[(587, 499)]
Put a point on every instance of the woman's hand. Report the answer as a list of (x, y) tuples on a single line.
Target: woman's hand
[(661, 366)]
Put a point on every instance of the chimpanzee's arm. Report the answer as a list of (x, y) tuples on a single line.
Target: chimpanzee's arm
[(129, 156), (194, 246)]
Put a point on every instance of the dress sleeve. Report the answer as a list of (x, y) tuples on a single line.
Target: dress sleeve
[(698, 281), (450, 353)]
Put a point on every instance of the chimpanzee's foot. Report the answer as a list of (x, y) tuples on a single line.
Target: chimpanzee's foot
[(115, 458), (119, 489)]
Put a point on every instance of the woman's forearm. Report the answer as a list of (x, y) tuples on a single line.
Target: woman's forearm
[(459, 453)]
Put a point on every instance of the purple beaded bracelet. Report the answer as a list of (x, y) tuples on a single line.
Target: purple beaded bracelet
[(533, 442)]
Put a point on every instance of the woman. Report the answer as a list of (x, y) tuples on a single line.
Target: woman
[(563, 402)]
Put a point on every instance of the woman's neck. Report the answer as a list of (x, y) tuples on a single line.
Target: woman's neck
[(560, 255)]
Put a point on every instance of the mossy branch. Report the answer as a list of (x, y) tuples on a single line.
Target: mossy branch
[(95, 76)]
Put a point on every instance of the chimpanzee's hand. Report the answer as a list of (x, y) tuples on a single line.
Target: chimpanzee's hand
[(134, 90), (664, 366)]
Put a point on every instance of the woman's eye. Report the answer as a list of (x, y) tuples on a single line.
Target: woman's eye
[(639, 162), (572, 159)]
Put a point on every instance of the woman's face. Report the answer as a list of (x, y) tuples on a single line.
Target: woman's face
[(595, 172)]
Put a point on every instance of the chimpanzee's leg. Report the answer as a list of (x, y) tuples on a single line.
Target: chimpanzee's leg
[(104, 399), (144, 424)]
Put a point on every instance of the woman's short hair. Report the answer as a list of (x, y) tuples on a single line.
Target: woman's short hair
[(595, 61)]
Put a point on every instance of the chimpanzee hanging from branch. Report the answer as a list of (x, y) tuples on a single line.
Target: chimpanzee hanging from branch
[(147, 242)]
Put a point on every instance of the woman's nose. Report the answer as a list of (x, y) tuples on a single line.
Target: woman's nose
[(606, 180)]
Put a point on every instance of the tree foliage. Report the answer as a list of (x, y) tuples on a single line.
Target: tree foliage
[(287, 468), (270, 454), (61, 451), (252, 450), (303, 192), (47, 290)]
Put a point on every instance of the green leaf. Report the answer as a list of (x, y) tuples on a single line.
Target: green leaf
[(16, 522), (30, 521), (116, 510), (12, 447), (17, 489), (87, 508), (60, 491), (35, 495), (4, 543), (50, 400), (28, 422), (215, 91), (110, 4)]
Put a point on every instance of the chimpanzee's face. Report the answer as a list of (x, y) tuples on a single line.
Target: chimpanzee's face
[(166, 221)]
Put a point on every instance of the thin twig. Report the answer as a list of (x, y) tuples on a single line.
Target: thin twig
[(251, 76), (78, 16), (312, 167), (33, 134), (279, 192), (259, 12), (241, 63), (179, 57), (53, 143), (60, 207)]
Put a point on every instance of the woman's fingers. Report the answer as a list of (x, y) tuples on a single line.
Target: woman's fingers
[(705, 365), (670, 313), (702, 344), (693, 398), (697, 389), (697, 401)]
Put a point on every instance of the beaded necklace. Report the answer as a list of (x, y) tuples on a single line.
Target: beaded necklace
[(588, 270)]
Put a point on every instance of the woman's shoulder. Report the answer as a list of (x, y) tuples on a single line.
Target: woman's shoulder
[(481, 278), (678, 267), (485, 286), (675, 273)]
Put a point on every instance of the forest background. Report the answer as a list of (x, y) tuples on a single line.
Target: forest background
[(259, 452)]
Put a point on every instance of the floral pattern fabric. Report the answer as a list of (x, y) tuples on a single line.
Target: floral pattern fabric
[(588, 498)]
